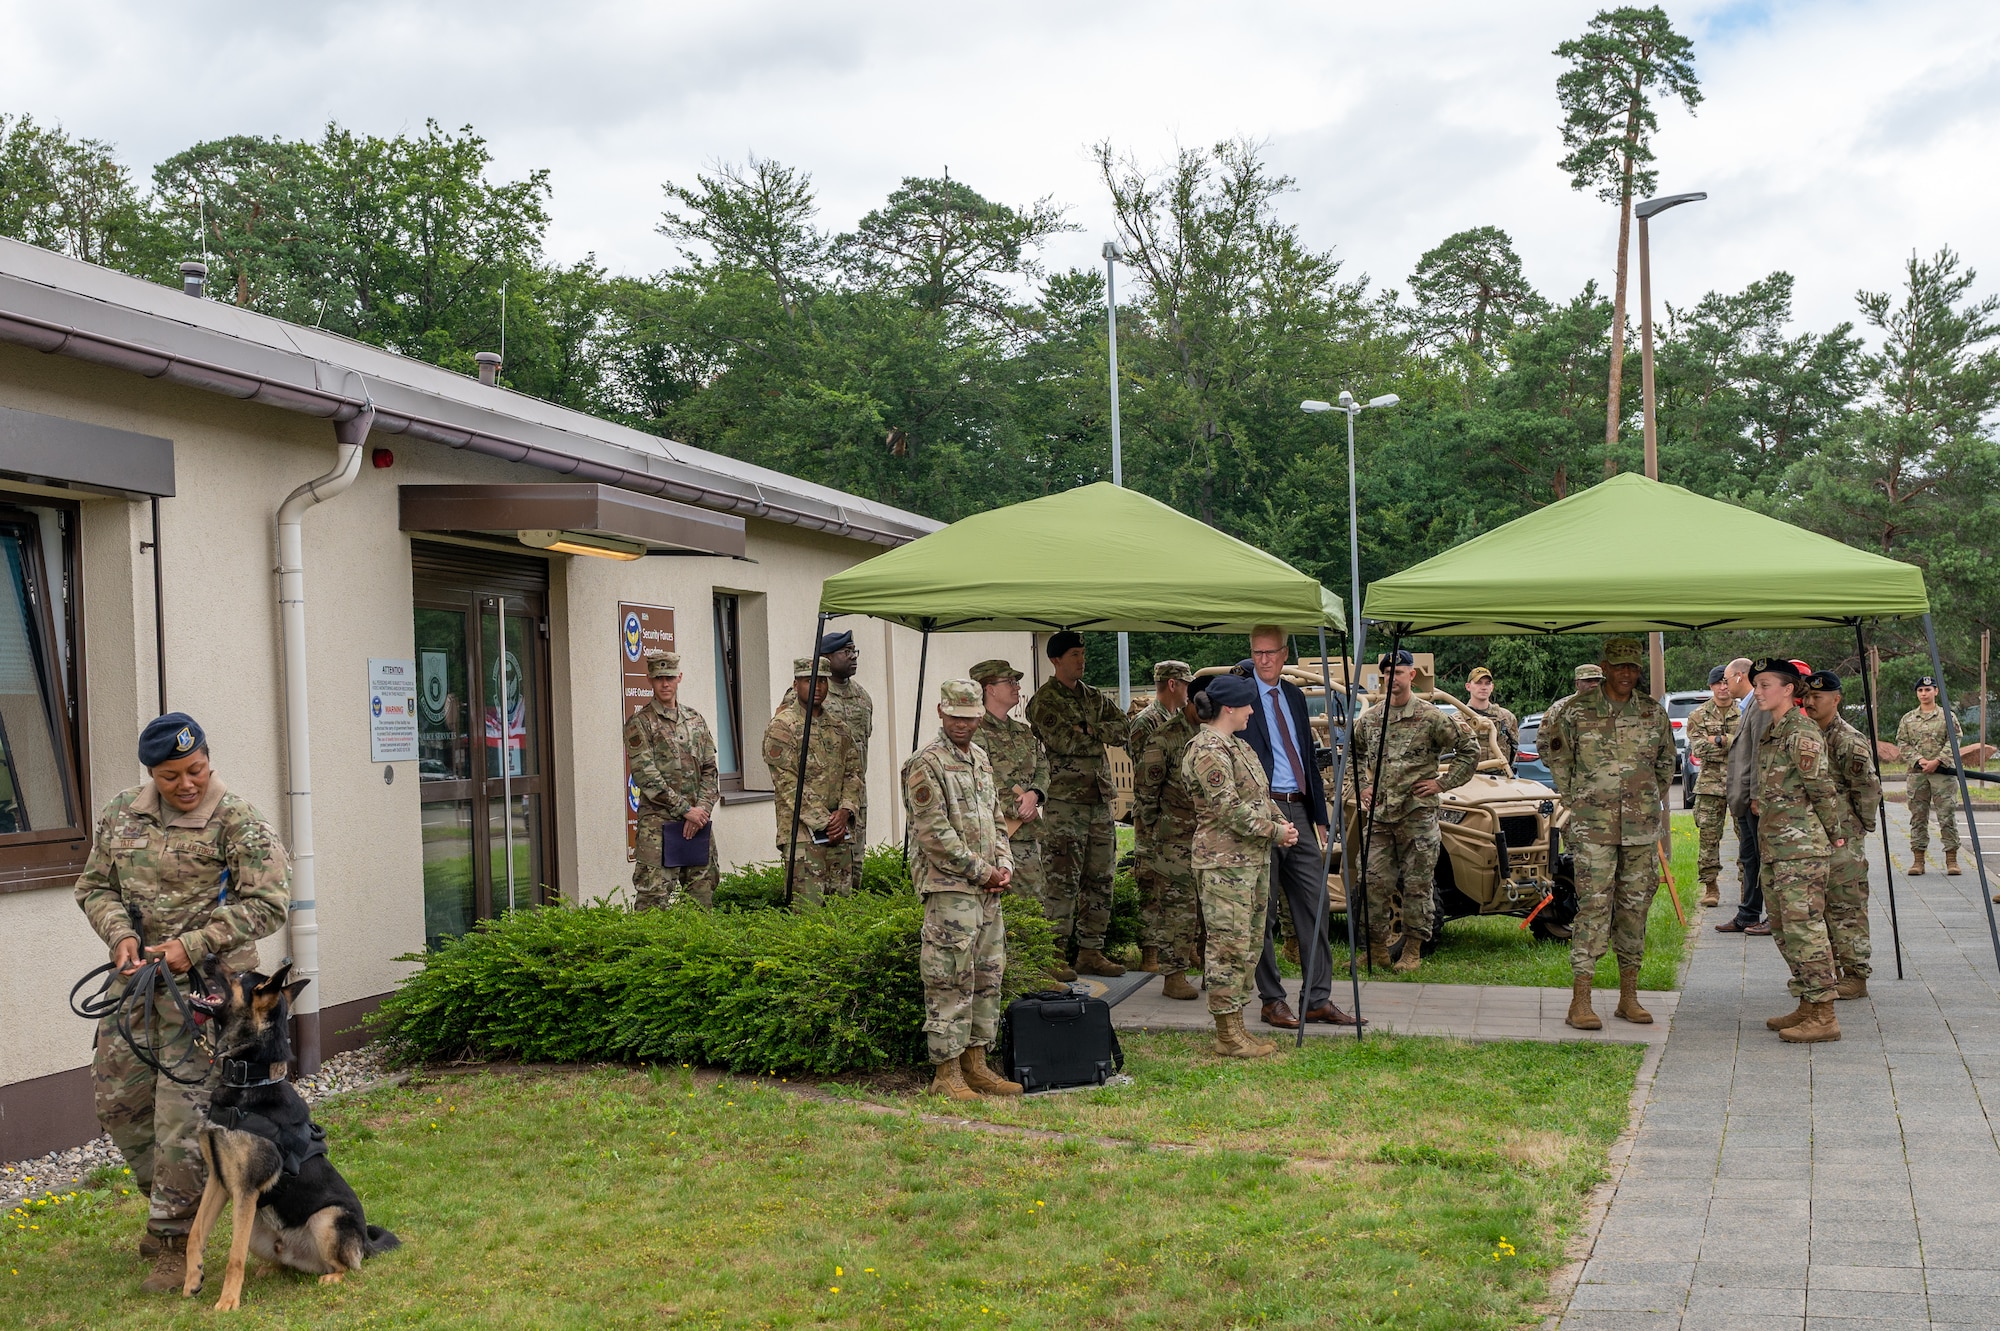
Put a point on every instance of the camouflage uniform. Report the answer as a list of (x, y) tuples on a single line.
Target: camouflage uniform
[(672, 757), (833, 781), (1018, 762), (1924, 736), (1404, 843), (1236, 825), (218, 879), (1853, 768), (1798, 815), (1710, 728), (848, 703), (1506, 723), (1079, 842), (1160, 794), (1151, 717), (959, 839), (1549, 736), (1613, 763)]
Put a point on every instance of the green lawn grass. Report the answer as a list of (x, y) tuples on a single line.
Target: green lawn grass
[(1400, 1182), (1496, 950)]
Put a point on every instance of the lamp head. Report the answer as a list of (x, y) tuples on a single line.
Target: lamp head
[(1114, 251), (1654, 207), (1346, 400), (1386, 400), (1315, 406)]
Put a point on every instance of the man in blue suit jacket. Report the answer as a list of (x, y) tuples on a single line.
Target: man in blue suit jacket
[(1280, 733)]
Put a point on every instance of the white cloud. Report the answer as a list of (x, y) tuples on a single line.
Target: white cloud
[(1835, 136)]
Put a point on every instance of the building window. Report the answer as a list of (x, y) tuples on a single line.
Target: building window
[(728, 691), (42, 819)]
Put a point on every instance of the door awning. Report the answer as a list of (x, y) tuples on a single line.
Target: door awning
[(580, 519)]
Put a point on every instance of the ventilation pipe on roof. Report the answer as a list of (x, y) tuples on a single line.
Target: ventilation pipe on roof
[(193, 274), (303, 919), (489, 367)]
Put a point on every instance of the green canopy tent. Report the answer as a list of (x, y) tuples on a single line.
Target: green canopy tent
[(1633, 555), (1099, 557)]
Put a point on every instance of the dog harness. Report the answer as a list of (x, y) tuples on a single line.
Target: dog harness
[(296, 1144)]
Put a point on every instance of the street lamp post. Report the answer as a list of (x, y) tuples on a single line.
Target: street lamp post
[(1350, 408), (1112, 254), (1646, 211)]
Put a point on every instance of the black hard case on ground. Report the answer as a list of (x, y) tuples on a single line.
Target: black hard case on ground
[(1058, 1038)]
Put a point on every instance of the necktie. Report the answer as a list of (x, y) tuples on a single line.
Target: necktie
[(1285, 733)]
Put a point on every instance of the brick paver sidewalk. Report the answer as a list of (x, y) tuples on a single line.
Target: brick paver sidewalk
[(1853, 1185)]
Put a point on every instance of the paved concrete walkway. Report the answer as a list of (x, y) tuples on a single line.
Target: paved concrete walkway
[(1468, 1011), (1853, 1185)]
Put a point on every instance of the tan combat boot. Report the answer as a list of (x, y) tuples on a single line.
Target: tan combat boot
[(1711, 894), (1092, 961), (1232, 1040), (982, 1078), (949, 1082), (1790, 1019), (1628, 997), (1177, 985), (1378, 953), (1062, 973), (1412, 955), (1149, 960), (1851, 986), (1951, 863), (1581, 1014), (1917, 864), (1819, 1025), (169, 1254)]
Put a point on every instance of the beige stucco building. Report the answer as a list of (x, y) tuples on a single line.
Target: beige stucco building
[(124, 404)]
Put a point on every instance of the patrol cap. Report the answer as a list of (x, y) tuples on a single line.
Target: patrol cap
[(1232, 690), (166, 738), (1717, 675), (1823, 681), (803, 667), (1065, 641), (992, 672), (663, 665), (1399, 657), (1589, 670), (961, 698), (1923, 682), (1166, 670), (1478, 673), (1776, 665), (836, 642), (1622, 651)]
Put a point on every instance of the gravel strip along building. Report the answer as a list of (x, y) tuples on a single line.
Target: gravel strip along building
[(409, 606)]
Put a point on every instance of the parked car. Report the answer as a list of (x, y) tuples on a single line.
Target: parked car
[(1528, 764), (1680, 706)]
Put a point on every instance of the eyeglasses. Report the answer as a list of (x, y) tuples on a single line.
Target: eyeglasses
[(1269, 651)]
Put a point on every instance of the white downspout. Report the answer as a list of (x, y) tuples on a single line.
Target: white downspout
[(303, 920)]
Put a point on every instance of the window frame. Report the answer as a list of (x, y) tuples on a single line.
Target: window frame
[(53, 857), (727, 625)]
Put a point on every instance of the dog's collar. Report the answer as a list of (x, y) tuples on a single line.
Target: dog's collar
[(237, 1074)]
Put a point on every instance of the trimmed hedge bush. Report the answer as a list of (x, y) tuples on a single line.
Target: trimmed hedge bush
[(751, 990)]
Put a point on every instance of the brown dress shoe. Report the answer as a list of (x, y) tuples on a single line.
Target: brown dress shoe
[(1729, 926), (1280, 1015), (1328, 1014), (1762, 929)]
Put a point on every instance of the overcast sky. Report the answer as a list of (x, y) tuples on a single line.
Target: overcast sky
[(1836, 137)]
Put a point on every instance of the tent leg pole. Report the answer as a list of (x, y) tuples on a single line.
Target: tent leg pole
[(1964, 790), (917, 720), (1881, 805), (805, 748), (1326, 861), (1375, 787)]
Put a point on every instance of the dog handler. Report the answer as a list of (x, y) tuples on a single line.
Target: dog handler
[(179, 870)]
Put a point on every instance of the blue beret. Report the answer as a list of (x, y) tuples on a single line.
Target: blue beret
[(1232, 691), (1717, 675), (830, 643), (1401, 657), (169, 737)]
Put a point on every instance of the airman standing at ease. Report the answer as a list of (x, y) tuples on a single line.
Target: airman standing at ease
[(960, 867), (1925, 745), (832, 788), (1612, 759), (1710, 728), (671, 755), (1852, 767), (1161, 795), (1075, 722), (849, 704), (1479, 696), (1020, 772), (1170, 684)]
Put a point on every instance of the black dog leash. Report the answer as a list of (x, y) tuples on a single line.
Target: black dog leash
[(137, 1018)]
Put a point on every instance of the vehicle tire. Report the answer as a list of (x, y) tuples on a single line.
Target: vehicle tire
[(1687, 788), (1561, 912)]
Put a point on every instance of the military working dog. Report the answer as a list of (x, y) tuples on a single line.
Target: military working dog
[(265, 1155)]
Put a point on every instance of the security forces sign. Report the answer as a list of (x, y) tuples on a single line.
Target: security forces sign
[(642, 631), (392, 711)]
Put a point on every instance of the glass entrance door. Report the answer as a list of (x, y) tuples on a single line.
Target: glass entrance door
[(482, 739)]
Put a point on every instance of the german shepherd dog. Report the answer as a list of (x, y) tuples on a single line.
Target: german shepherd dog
[(265, 1155)]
